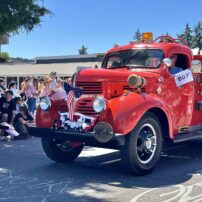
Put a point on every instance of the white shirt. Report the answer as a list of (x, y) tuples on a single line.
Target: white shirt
[(16, 92), (53, 84)]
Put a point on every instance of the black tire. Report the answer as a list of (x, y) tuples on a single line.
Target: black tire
[(143, 145), (60, 151)]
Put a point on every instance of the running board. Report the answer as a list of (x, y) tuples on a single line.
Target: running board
[(187, 136)]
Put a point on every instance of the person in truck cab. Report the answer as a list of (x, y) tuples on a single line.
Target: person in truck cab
[(173, 69)]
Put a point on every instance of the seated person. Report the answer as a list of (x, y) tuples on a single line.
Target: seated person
[(173, 69), (8, 107), (9, 130), (19, 102), (22, 119)]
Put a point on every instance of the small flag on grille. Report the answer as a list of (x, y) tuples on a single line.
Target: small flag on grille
[(70, 104), (77, 90)]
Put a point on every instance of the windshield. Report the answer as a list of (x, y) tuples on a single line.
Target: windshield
[(141, 58)]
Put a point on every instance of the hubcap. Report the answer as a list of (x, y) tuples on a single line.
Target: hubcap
[(146, 143), (64, 146)]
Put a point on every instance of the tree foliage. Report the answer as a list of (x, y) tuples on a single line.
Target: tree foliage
[(20, 15), (193, 36), (83, 50), (137, 35), (4, 55), (187, 35), (197, 38)]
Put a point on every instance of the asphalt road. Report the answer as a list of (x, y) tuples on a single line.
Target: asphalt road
[(27, 175)]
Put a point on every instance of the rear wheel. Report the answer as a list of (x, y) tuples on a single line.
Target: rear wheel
[(61, 151), (143, 145)]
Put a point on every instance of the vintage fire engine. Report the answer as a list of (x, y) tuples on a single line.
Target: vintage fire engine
[(132, 103)]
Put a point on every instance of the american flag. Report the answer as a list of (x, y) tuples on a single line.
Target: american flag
[(70, 104)]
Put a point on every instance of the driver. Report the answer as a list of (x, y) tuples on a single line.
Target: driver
[(173, 69)]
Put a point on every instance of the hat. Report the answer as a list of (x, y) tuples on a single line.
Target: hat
[(9, 92), (53, 73)]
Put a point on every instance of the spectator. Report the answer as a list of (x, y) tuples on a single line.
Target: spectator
[(19, 102), (53, 83), (31, 94), (40, 84), (69, 80), (8, 107), (13, 87), (45, 91), (2, 87), (59, 86), (23, 89), (9, 129), (22, 119)]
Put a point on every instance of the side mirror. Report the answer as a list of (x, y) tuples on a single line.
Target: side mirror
[(196, 66), (167, 62), (196, 63)]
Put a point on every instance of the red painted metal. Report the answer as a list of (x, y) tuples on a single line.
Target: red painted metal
[(126, 105)]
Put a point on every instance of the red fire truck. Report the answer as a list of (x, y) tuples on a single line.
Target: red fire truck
[(132, 103)]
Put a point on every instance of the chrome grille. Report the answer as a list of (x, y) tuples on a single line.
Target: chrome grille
[(90, 87), (85, 106)]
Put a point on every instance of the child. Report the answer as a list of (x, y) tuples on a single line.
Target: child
[(9, 129), (22, 119), (19, 102)]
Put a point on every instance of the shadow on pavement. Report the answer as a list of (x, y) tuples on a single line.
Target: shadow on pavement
[(90, 177)]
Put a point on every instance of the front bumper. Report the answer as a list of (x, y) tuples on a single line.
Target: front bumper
[(87, 138)]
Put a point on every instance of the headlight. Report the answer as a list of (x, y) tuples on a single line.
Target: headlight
[(99, 104), (45, 103)]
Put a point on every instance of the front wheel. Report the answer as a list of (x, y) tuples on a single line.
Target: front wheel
[(143, 145), (61, 151)]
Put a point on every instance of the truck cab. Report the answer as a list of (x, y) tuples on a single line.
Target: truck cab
[(132, 103)]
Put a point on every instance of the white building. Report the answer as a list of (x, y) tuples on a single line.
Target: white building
[(65, 66)]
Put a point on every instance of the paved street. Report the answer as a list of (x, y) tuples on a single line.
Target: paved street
[(27, 175)]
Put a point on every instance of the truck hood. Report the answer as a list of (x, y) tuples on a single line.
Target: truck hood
[(99, 75)]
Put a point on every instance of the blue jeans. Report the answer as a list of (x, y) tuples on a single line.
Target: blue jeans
[(31, 103)]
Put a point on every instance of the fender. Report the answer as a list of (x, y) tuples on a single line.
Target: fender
[(46, 119), (124, 112)]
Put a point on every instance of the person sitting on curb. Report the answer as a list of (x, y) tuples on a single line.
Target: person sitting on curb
[(7, 131), (21, 122), (8, 107)]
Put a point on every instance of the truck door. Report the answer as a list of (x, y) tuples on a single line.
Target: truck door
[(180, 101)]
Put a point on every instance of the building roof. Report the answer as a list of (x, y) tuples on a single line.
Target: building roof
[(25, 69), (97, 57)]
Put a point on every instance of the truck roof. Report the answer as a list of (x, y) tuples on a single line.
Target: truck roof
[(166, 47)]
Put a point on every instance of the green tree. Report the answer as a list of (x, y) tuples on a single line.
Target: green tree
[(187, 35), (4, 56), (20, 15), (197, 38), (83, 50), (137, 35)]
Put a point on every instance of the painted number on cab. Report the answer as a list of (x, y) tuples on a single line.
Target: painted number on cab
[(183, 77)]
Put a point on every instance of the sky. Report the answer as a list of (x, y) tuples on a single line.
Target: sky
[(99, 24)]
